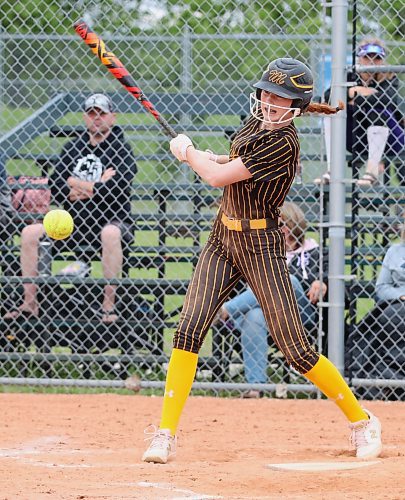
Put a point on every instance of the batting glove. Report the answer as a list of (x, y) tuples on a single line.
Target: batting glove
[(179, 145)]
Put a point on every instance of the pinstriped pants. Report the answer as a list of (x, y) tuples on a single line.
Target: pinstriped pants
[(258, 256)]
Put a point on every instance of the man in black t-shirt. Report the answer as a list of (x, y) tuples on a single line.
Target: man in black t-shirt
[(92, 181)]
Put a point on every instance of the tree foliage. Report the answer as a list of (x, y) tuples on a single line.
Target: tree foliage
[(231, 41), (132, 17)]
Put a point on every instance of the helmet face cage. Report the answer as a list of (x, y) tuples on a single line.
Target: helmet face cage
[(262, 110), (285, 77)]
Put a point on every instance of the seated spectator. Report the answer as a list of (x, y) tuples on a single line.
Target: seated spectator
[(375, 125), (92, 181), (376, 347), (303, 259)]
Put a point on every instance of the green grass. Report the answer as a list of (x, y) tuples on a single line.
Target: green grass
[(11, 117), (61, 390)]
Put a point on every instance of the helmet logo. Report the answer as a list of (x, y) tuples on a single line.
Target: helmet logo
[(277, 77), (299, 85)]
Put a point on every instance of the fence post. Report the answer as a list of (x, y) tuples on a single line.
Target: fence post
[(337, 188)]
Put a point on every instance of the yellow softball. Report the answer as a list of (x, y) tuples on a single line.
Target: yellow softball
[(58, 224)]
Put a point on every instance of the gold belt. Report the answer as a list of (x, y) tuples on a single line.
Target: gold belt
[(247, 224)]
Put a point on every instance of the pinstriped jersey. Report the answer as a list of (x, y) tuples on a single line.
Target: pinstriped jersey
[(271, 156)]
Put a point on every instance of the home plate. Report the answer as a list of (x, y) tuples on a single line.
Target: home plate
[(317, 466)]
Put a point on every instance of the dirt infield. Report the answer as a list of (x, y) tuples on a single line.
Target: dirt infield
[(89, 447)]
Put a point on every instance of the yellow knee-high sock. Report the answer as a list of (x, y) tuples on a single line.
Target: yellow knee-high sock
[(179, 379), (328, 380)]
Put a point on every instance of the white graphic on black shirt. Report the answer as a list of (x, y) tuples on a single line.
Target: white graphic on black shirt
[(89, 168), (305, 257)]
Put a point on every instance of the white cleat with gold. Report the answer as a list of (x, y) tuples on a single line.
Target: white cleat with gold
[(366, 437), (162, 446)]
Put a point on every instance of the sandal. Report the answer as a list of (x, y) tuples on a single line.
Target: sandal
[(368, 180), (108, 317), (323, 179)]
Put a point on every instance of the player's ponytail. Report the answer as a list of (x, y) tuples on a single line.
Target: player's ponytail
[(324, 108)]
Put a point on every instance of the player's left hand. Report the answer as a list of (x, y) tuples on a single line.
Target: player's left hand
[(179, 145)]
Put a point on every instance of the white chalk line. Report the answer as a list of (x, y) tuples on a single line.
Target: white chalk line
[(56, 445), (34, 447), (169, 487), (29, 453)]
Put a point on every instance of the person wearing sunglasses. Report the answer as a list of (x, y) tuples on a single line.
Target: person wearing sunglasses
[(375, 125)]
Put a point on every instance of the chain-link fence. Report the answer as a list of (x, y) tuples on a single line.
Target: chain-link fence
[(376, 308), (104, 304)]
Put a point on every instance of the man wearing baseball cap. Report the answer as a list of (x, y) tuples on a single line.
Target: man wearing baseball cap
[(92, 181), (99, 117), (98, 101)]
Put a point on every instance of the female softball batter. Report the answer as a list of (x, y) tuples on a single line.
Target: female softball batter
[(246, 242)]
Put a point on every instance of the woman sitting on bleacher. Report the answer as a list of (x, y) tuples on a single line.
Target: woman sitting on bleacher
[(375, 125)]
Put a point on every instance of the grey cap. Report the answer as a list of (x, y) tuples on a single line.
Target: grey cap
[(288, 78), (99, 101)]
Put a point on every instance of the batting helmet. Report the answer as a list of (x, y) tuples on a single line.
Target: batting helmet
[(287, 77)]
